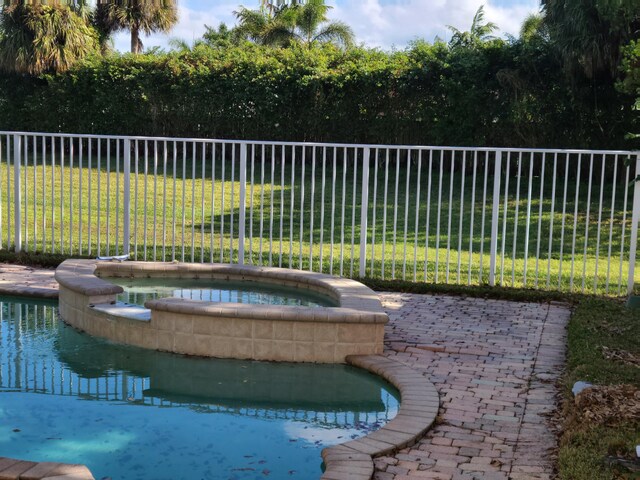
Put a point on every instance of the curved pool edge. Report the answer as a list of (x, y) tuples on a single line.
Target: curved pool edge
[(224, 330), (24, 469), (13, 290), (419, 403)]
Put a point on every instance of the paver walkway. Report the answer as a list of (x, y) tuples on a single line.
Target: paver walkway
[(494, 364)]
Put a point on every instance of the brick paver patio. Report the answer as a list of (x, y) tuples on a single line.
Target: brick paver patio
[(493, 362)]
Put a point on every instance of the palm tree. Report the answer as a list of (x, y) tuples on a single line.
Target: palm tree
[(137, 16), (272, 6), (43, 38), (479, 32), (313, 26), (252, 23), (534, 29), (295, 22), (588, 34)]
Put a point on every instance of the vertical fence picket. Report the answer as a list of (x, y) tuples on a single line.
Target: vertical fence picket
[(406, 216), (312, 206), (354, 194), (260, 261), (528, 223), (541, 201), (71, 194), (575, 224), (242, 213), (461, 219), (395, 217), (416, 226), (427, 220), (600, 204), (301, 210), (384, 212), (484, 209), (472, 210), (8, 185), (17, 192), (364, 207), (439, 207), (495, 219), (613, 209), (635, 218), (623, 229), (515, 222), (564, 212), (322, 206)]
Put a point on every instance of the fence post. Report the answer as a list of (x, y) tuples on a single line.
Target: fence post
[(243, 202), (495, 218), (635, 217), (364, 211), (17, 192), (126, 222)]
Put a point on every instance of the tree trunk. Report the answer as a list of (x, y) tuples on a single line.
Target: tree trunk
[(135, 40)]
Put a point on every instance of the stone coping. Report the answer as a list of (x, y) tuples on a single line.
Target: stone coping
[(12, 469), (419, 405), (27, 291), (356, 302)]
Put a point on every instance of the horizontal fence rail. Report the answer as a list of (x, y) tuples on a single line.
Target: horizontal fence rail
[(537, 218)]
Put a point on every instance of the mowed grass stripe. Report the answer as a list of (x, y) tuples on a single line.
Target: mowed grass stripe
[(205, 234)]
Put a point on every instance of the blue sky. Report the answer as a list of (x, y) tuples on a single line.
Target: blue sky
[(377, 23)]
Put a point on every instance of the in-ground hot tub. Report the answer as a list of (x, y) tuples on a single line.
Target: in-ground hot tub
[(355, 326)]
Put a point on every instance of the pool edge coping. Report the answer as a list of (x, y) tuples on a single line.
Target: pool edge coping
[(353, 460), (28, 470), (29, 292), (419, 404), (357, 303)]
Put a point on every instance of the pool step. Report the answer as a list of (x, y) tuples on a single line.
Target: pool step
[(12, 469)]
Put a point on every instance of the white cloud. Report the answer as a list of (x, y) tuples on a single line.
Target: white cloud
[(376, 23), (190, 27), (390, 23)]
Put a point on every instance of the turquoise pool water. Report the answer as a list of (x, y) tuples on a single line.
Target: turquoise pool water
[(130, 413), (139, 290)]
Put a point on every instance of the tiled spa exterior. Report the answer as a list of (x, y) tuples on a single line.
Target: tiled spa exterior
[(224, 330)]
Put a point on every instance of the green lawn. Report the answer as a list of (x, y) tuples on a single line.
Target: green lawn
[(595, 325), (57, 219)]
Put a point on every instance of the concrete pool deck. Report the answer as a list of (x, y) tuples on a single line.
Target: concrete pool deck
[(494, 364)]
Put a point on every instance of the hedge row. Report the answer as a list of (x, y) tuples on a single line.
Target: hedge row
[(499, 94)]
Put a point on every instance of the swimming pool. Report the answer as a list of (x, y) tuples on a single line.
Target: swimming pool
[(131, 413), (139, 290)]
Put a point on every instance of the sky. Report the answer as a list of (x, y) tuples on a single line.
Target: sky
[(384, 24)]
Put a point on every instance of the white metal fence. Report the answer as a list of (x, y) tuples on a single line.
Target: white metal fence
[(553, 219)]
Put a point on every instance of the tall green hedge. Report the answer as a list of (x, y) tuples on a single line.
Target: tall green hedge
[(500, 94)]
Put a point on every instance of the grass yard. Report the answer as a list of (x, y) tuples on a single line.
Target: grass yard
[(435, 229), (603, 349)]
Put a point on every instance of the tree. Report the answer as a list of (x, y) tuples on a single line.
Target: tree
[(589, 34), (631, 81), (534, 29), (295, 22), (218, 38), (37, 38), (479, 32), (137, 16)]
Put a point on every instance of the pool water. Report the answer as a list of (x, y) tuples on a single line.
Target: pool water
[(130, 413), (139, 290)]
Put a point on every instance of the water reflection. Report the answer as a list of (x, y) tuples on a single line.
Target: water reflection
[(132, 414), (39, 354)]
